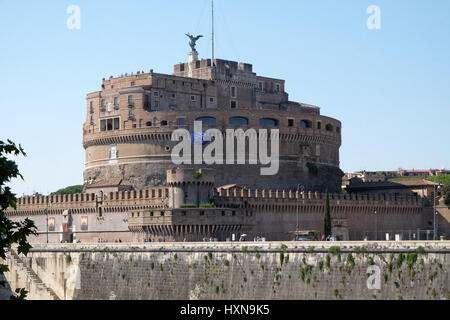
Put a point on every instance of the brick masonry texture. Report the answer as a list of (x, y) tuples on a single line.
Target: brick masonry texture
[(248, 270)]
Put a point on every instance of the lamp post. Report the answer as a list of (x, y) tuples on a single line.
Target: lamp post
[(376, 225), (299, 187), (434, 210)]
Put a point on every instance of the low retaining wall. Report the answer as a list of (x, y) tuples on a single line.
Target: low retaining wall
[(245, 270)]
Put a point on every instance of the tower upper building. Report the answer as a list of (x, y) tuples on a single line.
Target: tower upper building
[(127, 133)]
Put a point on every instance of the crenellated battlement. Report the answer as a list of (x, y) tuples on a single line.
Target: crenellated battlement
[(257, 194)]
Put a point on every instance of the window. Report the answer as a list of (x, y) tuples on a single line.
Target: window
[(132, 83), (290, 122), (233, 104), (164, 123), (92, 119), (174, 96), (116, 124), (338, 129), (329, 127), (148, 124), (91, 106), (305, 124), (156, 94), (233, 92), (116, 102), (180, 121), (211, 99), (103, 104), (268, 122), (238, 121), (319, 125), (202, 213), (130, 114), (207, 121), (260, 85), (113, 152), (130, 100), (146, 102), (192, 98), (278, 87)]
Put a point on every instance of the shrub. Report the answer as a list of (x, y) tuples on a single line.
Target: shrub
[(226, 263), (207, 205), (334, 250), (420, 250), (188, 205)]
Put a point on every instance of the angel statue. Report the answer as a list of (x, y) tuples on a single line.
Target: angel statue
[(193, 41)]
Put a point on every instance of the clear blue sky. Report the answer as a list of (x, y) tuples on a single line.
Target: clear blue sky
[(389, 87)]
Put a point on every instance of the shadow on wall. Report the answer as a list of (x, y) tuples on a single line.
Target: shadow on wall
[(5, 291)]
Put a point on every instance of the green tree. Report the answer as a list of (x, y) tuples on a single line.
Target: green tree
[(12, 232), (69, 190), (327, 219), (446, 194)]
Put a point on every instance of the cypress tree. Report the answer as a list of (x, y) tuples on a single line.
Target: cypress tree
[(327, 219)]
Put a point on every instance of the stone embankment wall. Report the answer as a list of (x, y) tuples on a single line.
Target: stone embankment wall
[(245, 270)]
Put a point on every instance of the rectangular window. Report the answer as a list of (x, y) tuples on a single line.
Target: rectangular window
[(102, 125), (192, 98), (146, 102), (180, 121), (156, 94), (211, 99), (319, 125), (116, 102), (233, 104), (233, 92), (290, 122), (130, 100), (260, 85), (132, 83), (174, 96), (109, 124), (103, 104), (278, 87), (91, 107)]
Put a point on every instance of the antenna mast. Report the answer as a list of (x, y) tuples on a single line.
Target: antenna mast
[(212, 31)]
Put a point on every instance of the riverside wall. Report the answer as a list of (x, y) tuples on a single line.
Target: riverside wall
[(240, 270)]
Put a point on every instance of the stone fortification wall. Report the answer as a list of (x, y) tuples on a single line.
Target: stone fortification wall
[(272, 270)]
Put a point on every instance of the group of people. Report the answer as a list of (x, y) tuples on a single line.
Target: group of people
[(100, 240)]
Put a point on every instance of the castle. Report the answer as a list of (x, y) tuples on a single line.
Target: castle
[(134, 192)]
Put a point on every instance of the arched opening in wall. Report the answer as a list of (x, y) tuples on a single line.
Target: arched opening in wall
[(329, 127), (268, 122), (207, 121), (238, 121), (148, 123), (305, 124)]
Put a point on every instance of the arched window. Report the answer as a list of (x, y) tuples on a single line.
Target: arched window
[(305, 124), (207, 121), (163, 123), (238, 121), (148, 124), (268, 122), (329, 127)]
